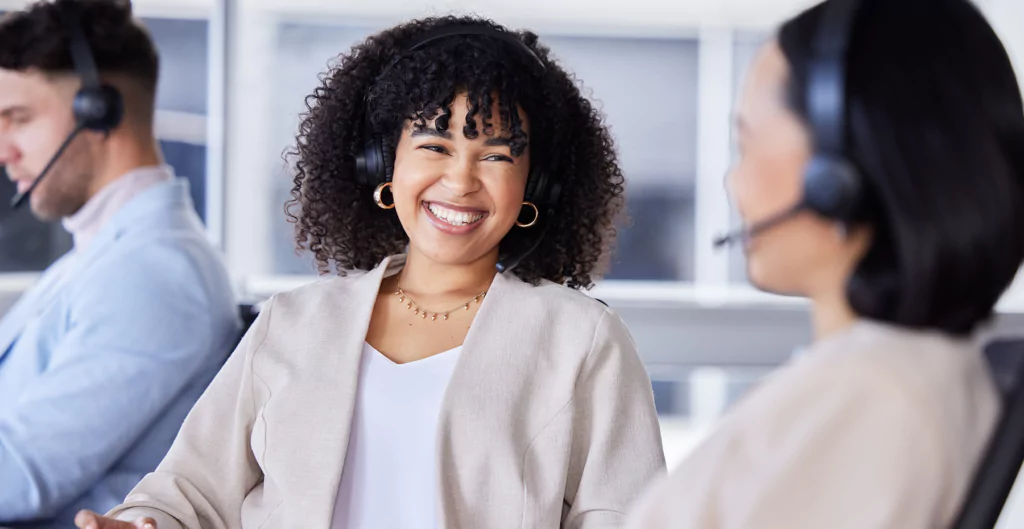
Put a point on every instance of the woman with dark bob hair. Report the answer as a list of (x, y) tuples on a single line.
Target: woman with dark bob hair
[(450, 374), (907, 233)]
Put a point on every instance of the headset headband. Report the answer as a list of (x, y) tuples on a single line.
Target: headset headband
[(826, 94), (439, 33), (81, 57), (443, 32)]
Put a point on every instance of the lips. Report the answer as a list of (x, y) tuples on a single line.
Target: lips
[(22, 183), (455, 217), (455, 220)]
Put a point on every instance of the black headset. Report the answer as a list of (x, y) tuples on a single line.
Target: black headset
[(375, 165), (833, 186), (97, 107)]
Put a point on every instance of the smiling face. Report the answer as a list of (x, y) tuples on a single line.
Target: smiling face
[(457, 197)]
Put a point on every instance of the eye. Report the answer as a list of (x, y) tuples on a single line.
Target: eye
[(434, 148), (16, 119), (498, 158)]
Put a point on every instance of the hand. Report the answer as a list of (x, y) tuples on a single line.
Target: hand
[(91, 520)]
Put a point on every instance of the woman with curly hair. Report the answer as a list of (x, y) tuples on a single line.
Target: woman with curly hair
[(450, 374)]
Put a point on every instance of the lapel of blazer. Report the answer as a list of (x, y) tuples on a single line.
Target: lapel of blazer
[(329, 337), (472, 486)]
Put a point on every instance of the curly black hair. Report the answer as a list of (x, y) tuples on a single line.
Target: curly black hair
[(381, 85)]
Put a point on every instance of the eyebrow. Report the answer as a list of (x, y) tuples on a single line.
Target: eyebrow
[(494, 141), (11, 110), (431, 132), (499, 141)]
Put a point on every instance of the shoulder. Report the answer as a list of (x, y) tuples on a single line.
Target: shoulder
[(152, 273), (329, 298), (572, 317), (866, 379), (321, 289), (156, 235), (552, 297), (926, 367), (158, 294), (144, 266)]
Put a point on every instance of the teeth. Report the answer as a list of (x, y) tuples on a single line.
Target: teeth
[(455, 218)]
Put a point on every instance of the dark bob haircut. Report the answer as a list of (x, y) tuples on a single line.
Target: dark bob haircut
[(334, 214), (936, 125), (36, 39)]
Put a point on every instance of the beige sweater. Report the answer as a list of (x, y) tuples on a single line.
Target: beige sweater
[(548, 420), (875, 428)]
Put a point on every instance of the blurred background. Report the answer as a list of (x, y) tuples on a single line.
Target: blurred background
[(233, 81)]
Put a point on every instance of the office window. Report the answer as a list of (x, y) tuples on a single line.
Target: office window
[(303, 51), (30, 245), (647, 89), (181, 99)]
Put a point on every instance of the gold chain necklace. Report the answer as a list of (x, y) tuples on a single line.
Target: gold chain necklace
[(423, 313)]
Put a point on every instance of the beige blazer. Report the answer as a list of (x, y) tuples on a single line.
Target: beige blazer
[(548, 420), (875, 428)]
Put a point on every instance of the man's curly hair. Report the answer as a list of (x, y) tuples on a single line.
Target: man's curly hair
[(380, 81)]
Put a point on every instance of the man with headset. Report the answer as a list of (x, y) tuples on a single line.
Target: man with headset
[(103, 358)]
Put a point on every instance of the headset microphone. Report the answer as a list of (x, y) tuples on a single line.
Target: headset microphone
[(97, 107), (746, 233), (20, 198)]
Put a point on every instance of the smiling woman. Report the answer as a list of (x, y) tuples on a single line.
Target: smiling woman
[(472, 93), (463, 190)]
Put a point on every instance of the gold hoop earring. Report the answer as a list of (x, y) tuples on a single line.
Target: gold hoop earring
[(379, 198), (536, 216)]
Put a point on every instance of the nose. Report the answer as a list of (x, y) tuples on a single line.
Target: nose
[(461, 178), (729, 182), (8, 154)]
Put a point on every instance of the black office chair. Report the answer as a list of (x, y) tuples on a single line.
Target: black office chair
[(248, 312), (998, 470)]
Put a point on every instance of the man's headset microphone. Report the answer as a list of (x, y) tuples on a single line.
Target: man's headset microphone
[(97, 107), (833, 187)]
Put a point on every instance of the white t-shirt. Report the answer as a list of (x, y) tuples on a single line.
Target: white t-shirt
[(390, 476)]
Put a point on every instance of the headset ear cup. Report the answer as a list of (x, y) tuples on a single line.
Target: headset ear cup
[(99, 109), (533, 184), (554, 193), (370, 164), (387, 158), (833, 188)]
